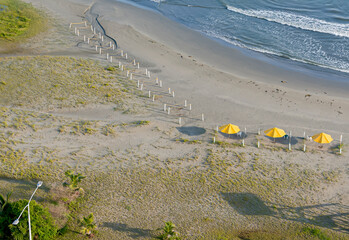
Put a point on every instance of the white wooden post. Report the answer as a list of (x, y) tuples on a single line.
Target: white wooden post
[(122, 67), (169, 90), (94, 31), (99, 35), (100, 51), (107, 56), (85, 24), (153, 98), (113, 47), (91, 28), (149, 94), (109, 44), (202, 117), (168, 110), (102, 38), (217, 128), (146, 71), (243, 142), (142, 87), (165, 107), (84, 38), (111, 59), (304, 135), (75, 30), (180, 121), (69, 25), (214, 139), (137, 83), (134, 62), (289, 146), (173, 94), (126, 55), (127, 73), (185, 103), (304, 148), (258, 144), (160, 83), (190, 107), (88, 40), (138, 65), (131, 76), (157, 80), (78, 33), (96, 48)]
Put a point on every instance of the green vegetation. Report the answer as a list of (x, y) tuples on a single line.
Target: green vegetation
[(169, 232), (75, 179), (88, 226), (42, 224), (18, 20), (316, 233)]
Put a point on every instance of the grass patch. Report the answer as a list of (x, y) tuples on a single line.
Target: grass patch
[(44, 82), (19, 20)]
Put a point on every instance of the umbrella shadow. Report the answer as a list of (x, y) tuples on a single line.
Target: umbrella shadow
[(192, 130), (239, 135), (284, 140), (133, 232)]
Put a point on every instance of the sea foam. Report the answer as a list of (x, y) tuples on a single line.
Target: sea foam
[(297, 21)]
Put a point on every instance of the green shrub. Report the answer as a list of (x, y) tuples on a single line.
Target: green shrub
[(169, 232), (42, 224)]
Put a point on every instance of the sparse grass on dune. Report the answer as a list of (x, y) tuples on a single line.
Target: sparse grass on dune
[(43, 82)]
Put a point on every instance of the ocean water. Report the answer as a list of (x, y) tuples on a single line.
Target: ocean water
[(312, 34)]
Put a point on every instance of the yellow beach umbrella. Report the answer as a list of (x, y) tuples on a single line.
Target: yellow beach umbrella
[(322, 138), (275, 132), (229, 129)]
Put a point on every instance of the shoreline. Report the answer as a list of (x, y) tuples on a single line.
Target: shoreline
[(242, 63)]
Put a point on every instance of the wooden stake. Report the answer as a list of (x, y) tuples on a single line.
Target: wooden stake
[(165, 107), (138, 65), (126, 55), (153, 98), (304, 148), (142, 87), (160, 83), (173, 94), (107, 56), (88, 40), (100, 51), (168, 110), (202, 117), (169, 90), (257, 144), (214, 139), (131, 76), (149, 94), (111, 59), (190, 107), (180, 121), (185, 103)]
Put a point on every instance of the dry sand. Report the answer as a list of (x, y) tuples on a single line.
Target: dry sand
[(224, 84)]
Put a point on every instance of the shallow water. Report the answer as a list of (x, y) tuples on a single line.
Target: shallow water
[(311, 35)]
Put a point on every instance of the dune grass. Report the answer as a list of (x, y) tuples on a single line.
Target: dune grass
[(19, 20), (45, 82)]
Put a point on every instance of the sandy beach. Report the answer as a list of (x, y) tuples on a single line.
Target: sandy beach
[(222, 83)]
